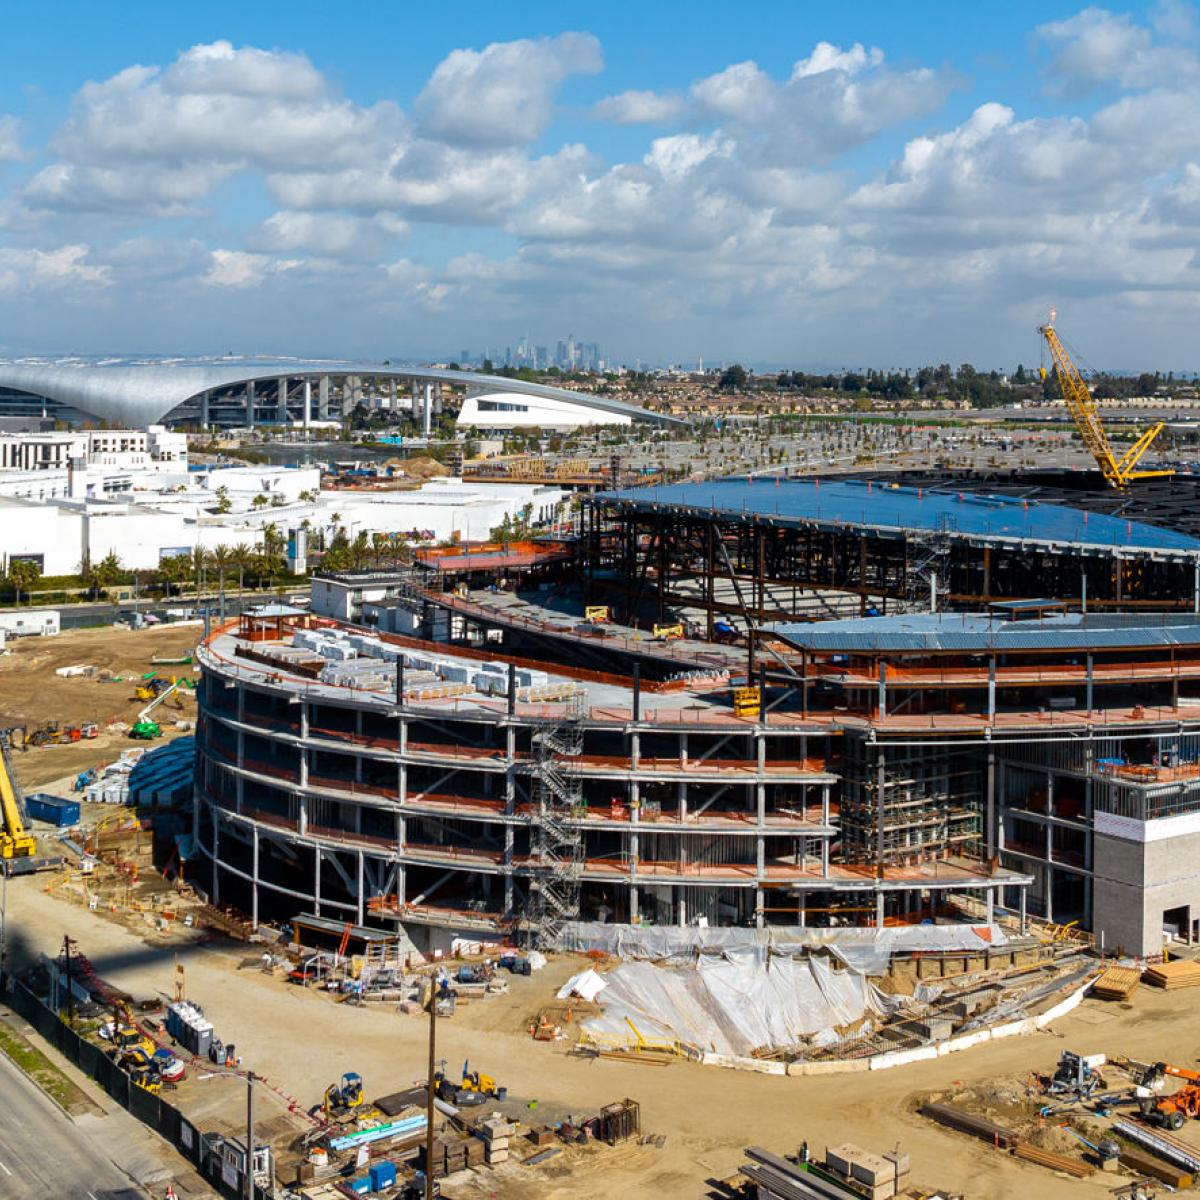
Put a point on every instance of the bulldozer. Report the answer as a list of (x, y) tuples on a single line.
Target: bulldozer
[(473, 1088)]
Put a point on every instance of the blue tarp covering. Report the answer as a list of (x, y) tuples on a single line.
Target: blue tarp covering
[(883, 506)]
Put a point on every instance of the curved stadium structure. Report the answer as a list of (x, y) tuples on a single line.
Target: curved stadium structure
[(480, 763), (247, 392)]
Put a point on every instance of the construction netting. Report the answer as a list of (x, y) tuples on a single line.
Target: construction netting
[(738, 1001)]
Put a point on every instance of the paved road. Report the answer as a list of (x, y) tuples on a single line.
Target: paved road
[(44, 1154)]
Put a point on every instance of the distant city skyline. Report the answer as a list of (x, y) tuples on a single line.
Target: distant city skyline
[(780, 184)]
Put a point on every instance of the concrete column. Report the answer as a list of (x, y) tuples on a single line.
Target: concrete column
[(254, 879), (989, 832), (216, 856), (317, 880), (1049, 877), (992, 689), (281, 396), (633, 903), (991, 905), (878, 910), (204, 409), (250, 405), (1088, 703), (323, 398), (393, 402), (882, 698), (307, 403), (760, 917), (1021, 907), (428, 410), (361, 888), (635, 750), (681, 906)]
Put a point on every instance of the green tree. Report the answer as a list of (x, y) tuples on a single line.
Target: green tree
[(23, 573), (103, 574), (224, 504), (259, 501), (222, 560)]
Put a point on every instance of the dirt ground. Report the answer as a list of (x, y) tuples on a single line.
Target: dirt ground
[(31, 693), (302, 1040)]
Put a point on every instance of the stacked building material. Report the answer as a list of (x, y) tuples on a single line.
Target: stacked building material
[(111, 785), (965, 1122), (874, 1175), (163, 777), (452, 1154), (496, 1133), (1182, 973), (1117, 983), (1056, 1162), (1160, 1142)]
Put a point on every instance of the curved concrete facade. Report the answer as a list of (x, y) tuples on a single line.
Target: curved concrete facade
[(138, 395)]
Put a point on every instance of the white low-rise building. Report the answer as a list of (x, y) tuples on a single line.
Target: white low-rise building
[(517, 410), (142, 528)]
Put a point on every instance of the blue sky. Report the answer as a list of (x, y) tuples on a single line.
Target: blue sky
[(869, 184)]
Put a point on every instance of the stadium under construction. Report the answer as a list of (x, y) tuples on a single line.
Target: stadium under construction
[(890, 704)]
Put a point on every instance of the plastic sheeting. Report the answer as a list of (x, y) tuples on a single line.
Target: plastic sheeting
[(735, 1003), (865, 950), (587, 985)]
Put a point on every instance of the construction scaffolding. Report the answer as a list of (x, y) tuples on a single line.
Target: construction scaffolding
[(557, 840), (902, 805)]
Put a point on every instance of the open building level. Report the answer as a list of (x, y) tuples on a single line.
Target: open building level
[(407, 754)]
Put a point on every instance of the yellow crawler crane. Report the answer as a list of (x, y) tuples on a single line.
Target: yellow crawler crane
[(15, 840), (1117, 471)]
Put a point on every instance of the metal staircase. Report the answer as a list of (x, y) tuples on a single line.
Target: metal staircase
[(557, 839), (928, 561)]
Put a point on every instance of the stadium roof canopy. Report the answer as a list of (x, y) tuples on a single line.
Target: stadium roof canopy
[(142, 393), (888, 509), (971, 632)]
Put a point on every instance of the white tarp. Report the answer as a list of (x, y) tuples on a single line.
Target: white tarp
[(736, 1002), (865, 950), (587, 985)]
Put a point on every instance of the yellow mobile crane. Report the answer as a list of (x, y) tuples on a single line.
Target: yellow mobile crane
[(15, 840), (1117, 471)]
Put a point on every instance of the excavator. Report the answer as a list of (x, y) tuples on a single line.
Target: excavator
[(16, 842), (342, 1098), (1173, 1110), (1117, 472)]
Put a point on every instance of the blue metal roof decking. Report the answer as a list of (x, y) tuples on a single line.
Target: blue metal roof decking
[(889, 509), (978, 633)]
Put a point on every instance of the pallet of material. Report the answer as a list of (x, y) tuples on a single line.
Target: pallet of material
[(1117, 983), (1056, 1162), (1181, 973)]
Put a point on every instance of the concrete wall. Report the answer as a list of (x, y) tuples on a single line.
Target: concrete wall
[(1136, 881)]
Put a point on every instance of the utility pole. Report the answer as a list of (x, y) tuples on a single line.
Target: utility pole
[(249, 1135), (431, 1089), (67, 943)]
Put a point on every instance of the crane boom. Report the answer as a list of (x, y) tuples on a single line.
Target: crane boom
[(15, 840), (1117, 471)]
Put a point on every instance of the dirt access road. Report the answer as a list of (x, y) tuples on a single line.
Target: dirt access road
[(31, 693), (302, 1041)]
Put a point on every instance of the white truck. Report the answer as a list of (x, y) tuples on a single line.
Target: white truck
[(29, 622)]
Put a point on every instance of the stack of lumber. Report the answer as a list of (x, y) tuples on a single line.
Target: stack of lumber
[(1181, 973), (1056, 1162), (1117, 983)]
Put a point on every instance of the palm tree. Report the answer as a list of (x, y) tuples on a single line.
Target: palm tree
[(23, 574), (241, 557), (222, 557), (200, 558)]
